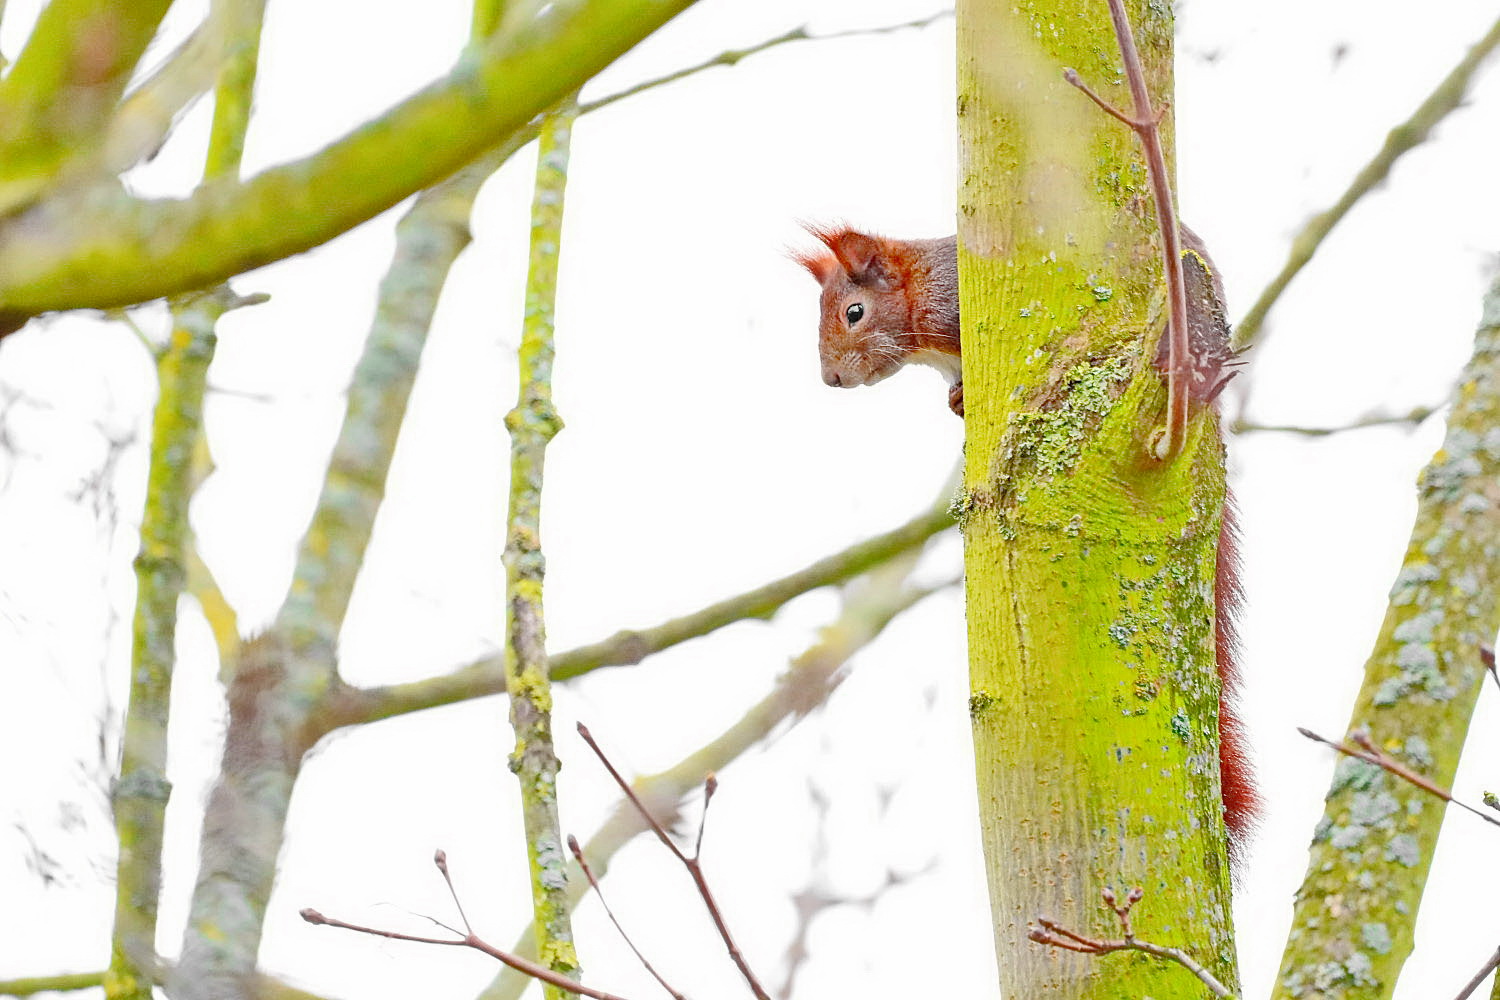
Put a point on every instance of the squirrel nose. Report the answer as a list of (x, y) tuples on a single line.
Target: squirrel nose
[(831, 378)]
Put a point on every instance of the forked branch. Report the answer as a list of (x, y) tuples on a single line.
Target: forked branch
[(1055, 935), (690, 862), (465, 938)]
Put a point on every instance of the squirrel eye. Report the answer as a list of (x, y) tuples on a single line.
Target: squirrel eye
[(854, 313)]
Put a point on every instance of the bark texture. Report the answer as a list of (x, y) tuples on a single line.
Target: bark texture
[(1368, 863), (1090, 565)]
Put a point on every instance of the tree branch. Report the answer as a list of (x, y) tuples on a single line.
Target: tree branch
[(1055, 935), (1413, 418), (1146, 125), (162, 568), (100, 248), (532, 424), (353, 706), (869, 605), (732, 57), (470, 940), (1421, 683), (65, 86), (588, 873), (148, 113), (1371, 754), (1402, 139), (222, 619), (140, 795), (62, 983), (692, 862), (1489, 966)]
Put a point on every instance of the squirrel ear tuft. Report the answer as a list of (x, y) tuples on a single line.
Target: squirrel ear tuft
[(862, 256), (818, 262)]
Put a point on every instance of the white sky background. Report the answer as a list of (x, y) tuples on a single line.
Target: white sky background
[(702, 456)]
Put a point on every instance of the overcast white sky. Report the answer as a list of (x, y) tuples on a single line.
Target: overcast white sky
[(702, 456)]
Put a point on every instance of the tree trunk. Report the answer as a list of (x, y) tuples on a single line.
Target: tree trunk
[(1090, 564), (1357, 907)]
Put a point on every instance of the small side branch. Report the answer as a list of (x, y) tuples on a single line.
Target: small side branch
[(1447, 97), (1487, 656), (1411, 419), (1054, 935), (65, 982), (690, 862), (1146, 124), (1479, 977), (355, 706), (811, 678), (731, 57), (1368, 752), (466, 938), (588, 873)]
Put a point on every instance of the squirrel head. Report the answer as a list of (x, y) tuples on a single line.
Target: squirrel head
[(864, 333)]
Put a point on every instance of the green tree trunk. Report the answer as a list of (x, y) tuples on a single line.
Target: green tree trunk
[(1090, 565)]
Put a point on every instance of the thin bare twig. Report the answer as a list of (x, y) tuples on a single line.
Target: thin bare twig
[(440, 859), (1055, 935), (588, 873), (1371, 754), (1413, 418), (1479, 977), (730, 57), (539, 972), (1447, 97), (867, 608), (1145, 123), (690, 863)]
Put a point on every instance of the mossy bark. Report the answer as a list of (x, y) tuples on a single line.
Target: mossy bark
[(140, 795), (63, 89), (532, 424), (99, 248), (1090, 565), (1352, 925), (284, 681)]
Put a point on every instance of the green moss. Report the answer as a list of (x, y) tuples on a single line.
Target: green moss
[(1051, 440)]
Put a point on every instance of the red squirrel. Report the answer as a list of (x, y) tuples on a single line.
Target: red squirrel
[(888, 303)]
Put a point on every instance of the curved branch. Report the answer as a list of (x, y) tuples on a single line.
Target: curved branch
[(1401, 139), (353, 706), (65, 87), (812, 676), (101, 249)]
